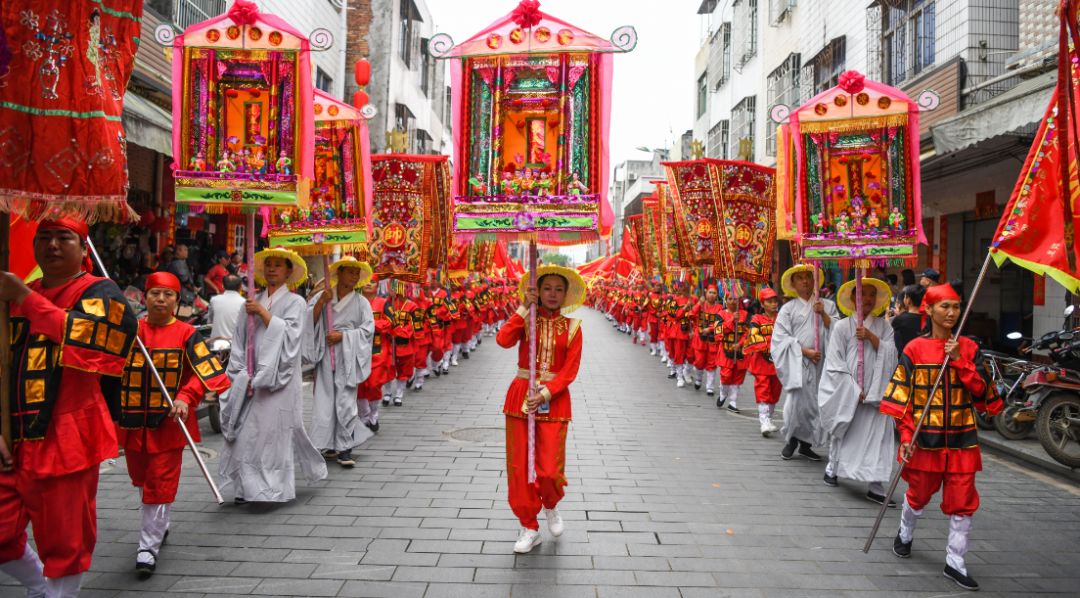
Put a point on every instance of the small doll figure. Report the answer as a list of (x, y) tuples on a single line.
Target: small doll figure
[(873, 223), (896, 220), (509, 185), (477, 185), (303, 215), (258, 160), (543, 186), (225, 164), (198, 163), (316, 211), (283, 164), (286, 219), (842, 224), (528, 183), (576, 186), (329, 213)]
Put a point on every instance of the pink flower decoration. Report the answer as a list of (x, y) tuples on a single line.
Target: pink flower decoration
[(852, 81), (527, 14), (244, 12)]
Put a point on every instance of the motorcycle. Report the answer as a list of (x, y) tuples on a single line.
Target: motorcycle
[(1007, 374), (1053, 396)]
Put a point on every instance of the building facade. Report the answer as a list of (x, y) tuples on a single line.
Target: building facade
[(408, 86), (990, 62)]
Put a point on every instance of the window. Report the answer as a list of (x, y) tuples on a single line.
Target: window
[(322, 80), (778, 10), (745, 41), (742, 129), (402, 117), (188, 12), (823, 70), (783, 89), (720, 57), (425, 67), (908, 36), (702, 96), (719, 138), (409, 34)]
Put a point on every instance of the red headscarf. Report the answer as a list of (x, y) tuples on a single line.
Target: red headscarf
[(79, 227), (712, 287), (163, 280), (937, 294)]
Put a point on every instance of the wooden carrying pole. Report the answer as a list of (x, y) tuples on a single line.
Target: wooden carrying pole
[(165, 391), (532, 362), (5, 337), (926, 408), (329, 309)]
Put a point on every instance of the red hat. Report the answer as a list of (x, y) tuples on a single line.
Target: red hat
[(937, 294), (162, 280), (712, 287), (79, 227), (767, 293)]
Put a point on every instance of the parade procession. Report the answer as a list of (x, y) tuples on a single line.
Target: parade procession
[(368, 298)]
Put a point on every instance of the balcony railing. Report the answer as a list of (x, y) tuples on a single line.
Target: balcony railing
[(188, 12)]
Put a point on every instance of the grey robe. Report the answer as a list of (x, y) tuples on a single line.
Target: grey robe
[(798, 375), (335, 421), (264, 434), (863, 446)]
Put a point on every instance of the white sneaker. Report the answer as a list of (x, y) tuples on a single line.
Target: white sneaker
[(681, 383), (772, 427), (766, 429), (453, 361), (652, 351), (528, 540), (555, 522), (664, 359)]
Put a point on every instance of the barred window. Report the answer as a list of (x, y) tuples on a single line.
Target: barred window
[(743, 124), (719, 138), (823, 70), (783, 88), (702, 96), (745, 32), (720, 57), (908, 38), (779, 10)]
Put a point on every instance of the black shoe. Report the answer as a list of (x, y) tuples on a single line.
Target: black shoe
[(900, 548), (373, 427), (465, 354), (671, 376), (345, 460), (697, 386), (962, 580), (789, 449), (831, 481), (720, 401), (807, 452), (145, 570), (386, 400), (397, 402), (329, 454), (417, 388), (438, 372), (733, 409), (408, 383), (239, 501), (879, 499)]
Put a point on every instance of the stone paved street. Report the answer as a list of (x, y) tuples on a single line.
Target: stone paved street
[(668, 497)]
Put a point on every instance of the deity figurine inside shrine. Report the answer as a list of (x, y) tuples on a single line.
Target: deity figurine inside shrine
[(283, 164), (477, 185), (873, 223), (896, 220), (198, 163)]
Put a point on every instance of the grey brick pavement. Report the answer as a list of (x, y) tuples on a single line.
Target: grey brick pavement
[(668, 497)]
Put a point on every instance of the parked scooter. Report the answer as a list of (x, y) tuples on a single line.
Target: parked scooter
[(221, 347), (1007, 375), (1053, 396)]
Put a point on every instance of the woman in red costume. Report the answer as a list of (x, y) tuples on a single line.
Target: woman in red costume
[(558, 354), (945, 455)]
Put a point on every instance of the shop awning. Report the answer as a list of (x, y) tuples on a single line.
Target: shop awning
[(1008, 114), (147, 125)]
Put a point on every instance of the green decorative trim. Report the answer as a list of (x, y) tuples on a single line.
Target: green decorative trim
[(235, 197), (863, 252), (59, 112), (112, 11), (467, 223), (329, 238)]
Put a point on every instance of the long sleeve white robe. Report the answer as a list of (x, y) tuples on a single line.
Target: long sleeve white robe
[(335, 420), (799, 376), (864, 447), (265, 441)]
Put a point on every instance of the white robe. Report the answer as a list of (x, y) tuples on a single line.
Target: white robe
[(864, 447), (335, 421), (265, 441), (794, 330)]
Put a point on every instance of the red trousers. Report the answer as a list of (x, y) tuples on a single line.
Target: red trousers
[(526, 499), (420, 357), (958, 493), (705, 356), (654, 331), (767, 389), (63, 511), (677, 350), (733, 376), (403, 367), (158, 474)]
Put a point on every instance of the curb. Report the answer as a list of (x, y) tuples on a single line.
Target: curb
[(1045, 464)]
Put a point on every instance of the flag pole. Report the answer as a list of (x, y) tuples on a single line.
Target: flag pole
[(926, 408), (165, 392), (532, 362), (5, 336)]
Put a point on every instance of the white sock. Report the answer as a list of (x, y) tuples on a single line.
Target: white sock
[(155, 522), (959, 528), (908, 518), (373, 412), (63, 587), (763, 413), (709, 375), (830, 468), (27, 570)]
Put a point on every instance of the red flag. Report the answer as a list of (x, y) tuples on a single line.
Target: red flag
[(1036, 230)]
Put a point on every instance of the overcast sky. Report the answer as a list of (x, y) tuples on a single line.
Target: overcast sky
[(653, 85)]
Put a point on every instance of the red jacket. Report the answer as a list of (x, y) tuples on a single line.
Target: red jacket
[(558, 356)]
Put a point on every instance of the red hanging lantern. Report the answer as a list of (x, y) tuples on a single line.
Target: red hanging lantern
[(362, 72), (360, 99)]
